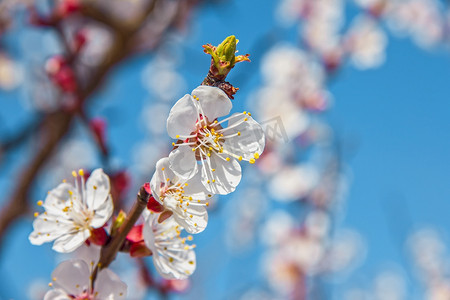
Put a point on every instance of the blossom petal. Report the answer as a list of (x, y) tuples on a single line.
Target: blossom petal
[(59, 196), (224, 179), (170, 256), (109, 286), (103, 213), (182, 117), (181, 267), (213, 101), (71, 276), (182, 162), (159, 179), (147, 231), (193, 218), (47, 229), (97, 189), (251, 139), (195, 187), (69, 242), (56, 295)]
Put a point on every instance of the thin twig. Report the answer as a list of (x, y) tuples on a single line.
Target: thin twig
[(56, 125), (109, 252)]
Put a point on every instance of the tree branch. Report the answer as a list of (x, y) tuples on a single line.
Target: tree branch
[(109, 252), (57, 125)]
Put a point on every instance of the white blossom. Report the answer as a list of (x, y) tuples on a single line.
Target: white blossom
[(202, 138), (185, 198), (71, 212), (70, 280), (421, 19), (172, 256), (366, 43)]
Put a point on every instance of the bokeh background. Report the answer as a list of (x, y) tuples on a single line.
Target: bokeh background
[(351, 198)]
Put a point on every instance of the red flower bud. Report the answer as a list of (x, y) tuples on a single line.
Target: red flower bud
[(139, 250), (99, 236), (98, 127), (135, 234), (68, 7), (154, 205), (61, 73)]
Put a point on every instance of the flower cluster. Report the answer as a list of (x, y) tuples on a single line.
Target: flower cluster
[(204, 162)]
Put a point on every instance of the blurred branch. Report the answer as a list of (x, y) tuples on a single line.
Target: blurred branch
[(91, 11), (17, 139), (57, 124)]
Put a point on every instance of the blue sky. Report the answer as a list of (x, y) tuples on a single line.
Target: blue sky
[(392, 120)]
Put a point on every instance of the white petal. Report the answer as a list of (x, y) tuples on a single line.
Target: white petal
[(183, 162), (58, 198), (213, 101), (195, 187), (56, 295), (162, 239), (251, 139), (103, 213), (147, 231), (160, 176), (46, 229), (182, 117), (194, 219), (72, 276), (97, 189), (109, 286), (224, 179), (181, 267), (69, 242)]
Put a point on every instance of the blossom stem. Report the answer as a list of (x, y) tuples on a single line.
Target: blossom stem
[(219, 81), (109, 251)]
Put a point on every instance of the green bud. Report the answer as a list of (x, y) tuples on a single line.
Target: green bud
[(227, 49), (118, 222), (224, 56)]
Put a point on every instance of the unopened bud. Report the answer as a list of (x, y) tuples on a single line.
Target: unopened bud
[(118, 222), (224, 57), (154, 205), (139, 250), (98, 236)]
